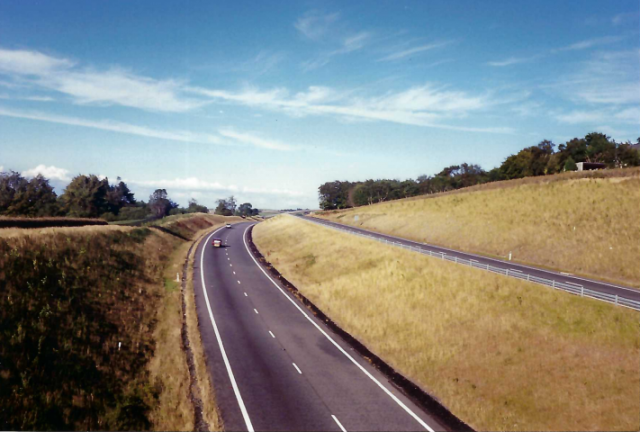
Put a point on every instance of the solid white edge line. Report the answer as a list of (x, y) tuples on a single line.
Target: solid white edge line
[(256, 311), (366, 372), (236, 390), (297, 368), (338, 422), (272, 335)]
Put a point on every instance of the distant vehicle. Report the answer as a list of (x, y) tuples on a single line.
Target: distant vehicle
[(216, 242), (228, 225)]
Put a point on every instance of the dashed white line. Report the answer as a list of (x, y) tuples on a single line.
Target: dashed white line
[(234, 272), (236, 390), (515, 270), (339, 424), (346, 354), (238, 282), (272, 335), (255, 310), (245, 294), (297, 368), (230, 265)]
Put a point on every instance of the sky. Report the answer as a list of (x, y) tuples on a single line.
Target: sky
[(267, 100)]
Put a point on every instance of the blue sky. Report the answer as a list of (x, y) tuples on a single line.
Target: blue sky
[(267, 100)]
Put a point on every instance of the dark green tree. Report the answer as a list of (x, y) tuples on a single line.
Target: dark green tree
[(85, 196)]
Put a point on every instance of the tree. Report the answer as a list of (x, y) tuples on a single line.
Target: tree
[(160, 204), (194, 207), (334, 195), (245, 209), (22, 197), (570, 164), (119, 196), (85, 196), (222, 208)]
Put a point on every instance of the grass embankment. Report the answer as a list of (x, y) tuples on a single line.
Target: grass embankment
[(23, 222), (584, 223), (501, 353), (87, 316)]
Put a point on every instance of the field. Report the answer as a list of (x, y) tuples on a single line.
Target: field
[(583, 223), (502, 354), (88, 320)]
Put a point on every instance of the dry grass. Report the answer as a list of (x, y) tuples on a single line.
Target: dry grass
[(168, 366), (16, 232), (582, 224), (502, 354)]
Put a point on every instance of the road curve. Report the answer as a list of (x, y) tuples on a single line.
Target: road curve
[(276, 367), (591, 284)]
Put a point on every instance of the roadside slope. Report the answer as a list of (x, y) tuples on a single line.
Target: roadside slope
[(584, 224), (90, 327), (502, 354)]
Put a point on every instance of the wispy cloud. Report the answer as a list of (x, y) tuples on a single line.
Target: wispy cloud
[(589, 43), (355, 42), (114, 86), (398, 55), (315, 25), (225, 137), (606, 78), (575, 117), (512, 61), (197, 184), (50, 172), (426, 105), (625, 17)]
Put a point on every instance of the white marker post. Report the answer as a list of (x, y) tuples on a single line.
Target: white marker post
[(177, 277)]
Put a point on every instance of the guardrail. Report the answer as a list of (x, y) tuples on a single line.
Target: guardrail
[(571, 288)]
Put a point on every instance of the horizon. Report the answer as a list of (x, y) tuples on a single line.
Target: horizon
[(268, 102)]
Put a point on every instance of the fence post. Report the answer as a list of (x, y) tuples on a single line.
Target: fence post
[(581, 291), (553, 283), (455, 259), (507, 272), (616, 298), (527, 276)]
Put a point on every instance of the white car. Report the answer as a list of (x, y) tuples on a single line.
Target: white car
[(228, 225)]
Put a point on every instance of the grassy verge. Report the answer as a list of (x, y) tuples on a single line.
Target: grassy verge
[(502, 354), (90, 328), (543, 221)]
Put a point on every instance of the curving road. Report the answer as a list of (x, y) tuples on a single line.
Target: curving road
[(276, 367), (523, 270)]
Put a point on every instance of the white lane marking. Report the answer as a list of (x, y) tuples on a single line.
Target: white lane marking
[(229, 259), (566, 274), (234, 272), (297, 368), (519, 271), (272, 335), (339, 424), (238, 282), (574, 284), (236, 390), (473, 260), (366, 372), (230, 265), (245, 294), (255, 310)]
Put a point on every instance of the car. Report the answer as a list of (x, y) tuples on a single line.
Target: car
[(228, 225), (216, 242)]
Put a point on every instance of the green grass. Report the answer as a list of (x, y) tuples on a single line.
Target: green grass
[(501, 353)]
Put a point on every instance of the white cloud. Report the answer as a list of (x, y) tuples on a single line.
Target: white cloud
[(607, 78), (30, 63), (355, 42), (196, 184), (591, 43), (576, 117), (315, 25), (511, 61), (88, 86), (625, 17), (254, 140), (415, 50), (49, 172), (421, 106), (631, 115), (181, 136)]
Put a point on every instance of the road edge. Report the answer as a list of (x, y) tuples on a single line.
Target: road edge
[(420, 397)]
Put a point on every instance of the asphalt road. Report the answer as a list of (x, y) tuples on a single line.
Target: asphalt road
[(567, 278), (276, 367)]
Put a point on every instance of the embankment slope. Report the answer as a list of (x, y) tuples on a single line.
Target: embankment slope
[(583, 223)]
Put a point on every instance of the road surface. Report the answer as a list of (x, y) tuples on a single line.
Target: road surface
[(276, 367), (591, 284)]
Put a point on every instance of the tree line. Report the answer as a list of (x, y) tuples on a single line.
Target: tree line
[(538, 160), (230, 207), (88, 196)]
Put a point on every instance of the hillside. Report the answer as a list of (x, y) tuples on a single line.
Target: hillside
[(583, 223), (90, 327)]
